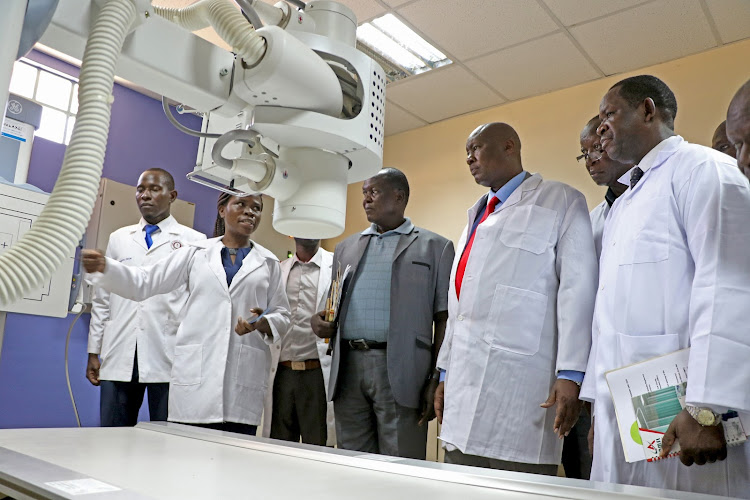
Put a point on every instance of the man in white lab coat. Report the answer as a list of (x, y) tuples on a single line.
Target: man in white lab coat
[(674, 274), (605, 172), (296, 402), (131, 343), (738, 127), (519, 314)]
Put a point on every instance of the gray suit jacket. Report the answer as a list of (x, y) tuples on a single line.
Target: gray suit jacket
[(419, 289)]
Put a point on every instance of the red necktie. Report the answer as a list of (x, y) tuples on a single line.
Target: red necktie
[(465, 256)]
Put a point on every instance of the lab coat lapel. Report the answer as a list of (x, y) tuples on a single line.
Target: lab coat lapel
[(167, 238), (139, 237), (661, 158), (530, 183), (250, 263), (213, 256)]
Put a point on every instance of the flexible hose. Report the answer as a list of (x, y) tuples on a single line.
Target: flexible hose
[(225, 19), (67, 370), (58, 229)]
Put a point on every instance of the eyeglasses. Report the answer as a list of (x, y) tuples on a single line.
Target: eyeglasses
[(596, 155)]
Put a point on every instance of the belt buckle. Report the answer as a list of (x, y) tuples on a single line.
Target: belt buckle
[(360, 344), (298, 365)]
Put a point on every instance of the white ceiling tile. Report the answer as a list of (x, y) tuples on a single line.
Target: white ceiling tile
[(732, 18), (397, 120), (396, 3), (364, 9), (535, 67), (571, 12), (646, 35), (469, 28), (442, 93)]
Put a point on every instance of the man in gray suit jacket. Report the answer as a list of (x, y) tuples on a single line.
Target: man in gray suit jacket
[(383, 375)]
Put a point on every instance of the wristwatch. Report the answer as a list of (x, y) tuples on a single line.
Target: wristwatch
[(704, 416)]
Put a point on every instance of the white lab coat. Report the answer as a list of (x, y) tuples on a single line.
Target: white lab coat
[(118, 324), (598, 215), (675, 273), (324, 283), (217, 375), (524, 314)]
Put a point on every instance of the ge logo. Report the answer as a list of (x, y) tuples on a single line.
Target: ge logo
[(15, 107)]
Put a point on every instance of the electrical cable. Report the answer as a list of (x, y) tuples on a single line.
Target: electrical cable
[(67, 371), (240, 135), (297, 3), (180, 126), (250, 13)]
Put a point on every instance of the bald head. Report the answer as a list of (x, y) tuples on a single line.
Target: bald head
[(720, 142), (493, 153), (498, 132), (738, 127)]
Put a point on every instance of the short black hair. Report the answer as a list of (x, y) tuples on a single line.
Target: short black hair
[(396, 178), (637, 89), (593, 123), (167, 176)]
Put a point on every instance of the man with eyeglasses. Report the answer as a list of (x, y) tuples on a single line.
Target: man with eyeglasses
[(605, 172)]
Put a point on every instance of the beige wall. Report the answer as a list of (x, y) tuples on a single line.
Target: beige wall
[(433, 157)]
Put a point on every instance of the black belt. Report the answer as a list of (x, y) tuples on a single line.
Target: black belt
[(365, 345)]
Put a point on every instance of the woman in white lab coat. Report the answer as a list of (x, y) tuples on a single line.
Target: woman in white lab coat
[(221, 361)]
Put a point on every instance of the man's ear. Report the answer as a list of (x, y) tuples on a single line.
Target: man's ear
[(510, 146), (172, 195), (649, 109)]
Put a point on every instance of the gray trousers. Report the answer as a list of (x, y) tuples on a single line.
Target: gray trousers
[(368, 419), (458, 458)]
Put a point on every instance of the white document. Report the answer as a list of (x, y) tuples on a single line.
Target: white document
[(82, 486), (647, 396)]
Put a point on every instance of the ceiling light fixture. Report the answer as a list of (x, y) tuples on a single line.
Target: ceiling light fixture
[(398, 48)]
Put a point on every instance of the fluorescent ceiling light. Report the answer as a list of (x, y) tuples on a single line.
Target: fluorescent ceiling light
[(403, 52), (390, 25), (386, 46)]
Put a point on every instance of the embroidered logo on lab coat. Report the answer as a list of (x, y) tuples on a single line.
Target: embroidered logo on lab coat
[(176, 245)]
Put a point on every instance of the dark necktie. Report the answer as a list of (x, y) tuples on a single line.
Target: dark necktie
[(635, 176), (465, 256), (150, 229)]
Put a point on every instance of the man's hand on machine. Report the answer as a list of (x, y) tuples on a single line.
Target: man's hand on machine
[(93, 261)]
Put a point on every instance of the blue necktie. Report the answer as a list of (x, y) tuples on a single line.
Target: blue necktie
[(150, 229)]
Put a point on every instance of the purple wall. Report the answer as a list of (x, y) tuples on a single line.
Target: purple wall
[(33, 392)]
